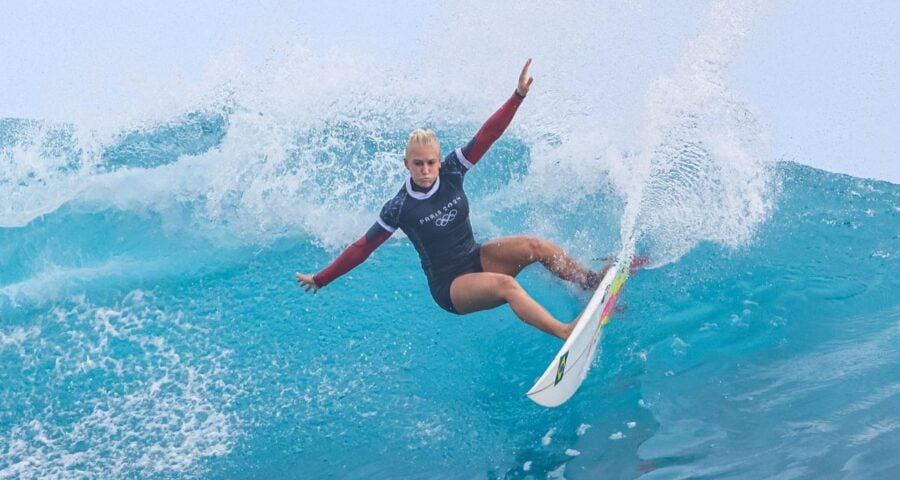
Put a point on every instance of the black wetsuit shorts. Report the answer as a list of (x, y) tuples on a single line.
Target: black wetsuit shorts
[(440, 284)]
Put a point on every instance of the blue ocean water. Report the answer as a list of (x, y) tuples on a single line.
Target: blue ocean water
[(149, 335), (151, 327)]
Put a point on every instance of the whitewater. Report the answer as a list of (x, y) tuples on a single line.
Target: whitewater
[(151, 327)]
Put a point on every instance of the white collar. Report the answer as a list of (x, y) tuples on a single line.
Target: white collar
[(421, 195)]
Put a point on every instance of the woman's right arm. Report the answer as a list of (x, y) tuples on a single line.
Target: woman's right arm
[(355, 254)]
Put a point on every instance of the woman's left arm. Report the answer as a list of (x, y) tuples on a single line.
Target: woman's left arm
[(494, 127)]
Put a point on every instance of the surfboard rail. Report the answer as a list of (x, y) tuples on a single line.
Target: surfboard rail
[(571, 364)]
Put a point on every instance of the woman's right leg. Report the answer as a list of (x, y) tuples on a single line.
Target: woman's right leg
[(510, 255), (473, 292)]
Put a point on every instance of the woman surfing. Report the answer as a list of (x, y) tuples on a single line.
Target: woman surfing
[(433, 211)]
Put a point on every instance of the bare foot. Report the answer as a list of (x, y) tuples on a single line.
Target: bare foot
[(637, 264), (569, 328), (594, 278), (591, 281)]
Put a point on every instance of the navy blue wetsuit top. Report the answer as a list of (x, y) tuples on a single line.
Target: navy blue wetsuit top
[(436, 221)]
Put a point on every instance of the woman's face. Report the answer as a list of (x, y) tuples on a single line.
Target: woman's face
[(423, 163)]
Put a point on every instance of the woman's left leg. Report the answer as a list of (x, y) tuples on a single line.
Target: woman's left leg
[(509, 255), (473, 292)]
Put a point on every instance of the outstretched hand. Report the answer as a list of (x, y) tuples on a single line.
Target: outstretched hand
[(524, 80), (307, 282)]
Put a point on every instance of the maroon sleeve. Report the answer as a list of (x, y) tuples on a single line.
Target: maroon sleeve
[(355, 254), (492, 129)]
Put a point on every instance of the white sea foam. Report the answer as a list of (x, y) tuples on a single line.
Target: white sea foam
[(160, 409), (294, 141), (15, 337), (557, 473), (53, 282), (548, 437), (311, 141), (702, 171), (582, 429)]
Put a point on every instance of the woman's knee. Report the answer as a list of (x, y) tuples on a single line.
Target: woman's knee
[(540, 249), (507, 286)]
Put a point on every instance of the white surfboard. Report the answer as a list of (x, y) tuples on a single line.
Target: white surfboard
[(570, 366)]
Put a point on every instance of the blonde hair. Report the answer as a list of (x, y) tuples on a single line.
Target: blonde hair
[(422, 136)]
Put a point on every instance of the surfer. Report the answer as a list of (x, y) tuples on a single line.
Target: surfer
[(433, 211)]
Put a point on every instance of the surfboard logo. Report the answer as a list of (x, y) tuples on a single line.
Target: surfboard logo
[(561, 369)]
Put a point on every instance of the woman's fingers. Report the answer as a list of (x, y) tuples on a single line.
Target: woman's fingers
[(525, 79), (306, 281)]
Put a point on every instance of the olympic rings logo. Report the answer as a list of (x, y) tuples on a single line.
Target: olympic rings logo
[(445, 219)]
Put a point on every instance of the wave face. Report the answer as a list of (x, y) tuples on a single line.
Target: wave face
[(150, 325)]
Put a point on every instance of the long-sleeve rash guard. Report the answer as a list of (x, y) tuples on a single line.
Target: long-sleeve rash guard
[(440, 228)]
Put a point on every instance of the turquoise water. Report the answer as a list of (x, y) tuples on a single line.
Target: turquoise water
[(162, 336), (151, 327)]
